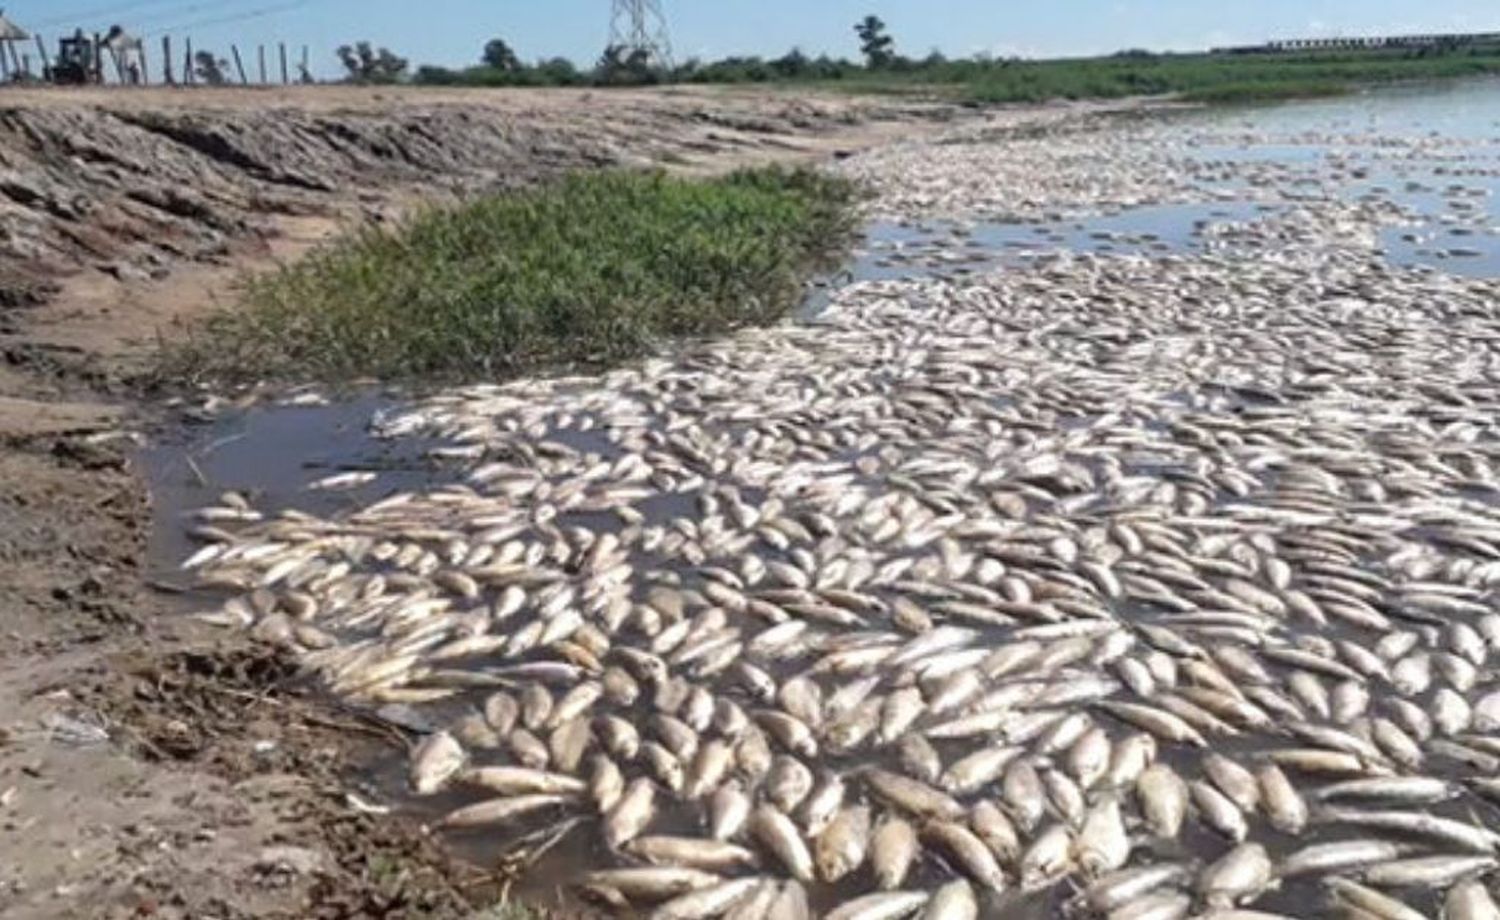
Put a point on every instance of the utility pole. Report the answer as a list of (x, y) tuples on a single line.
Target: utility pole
[(641, 26)]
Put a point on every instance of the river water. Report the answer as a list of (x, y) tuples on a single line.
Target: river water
[(1429, 155)]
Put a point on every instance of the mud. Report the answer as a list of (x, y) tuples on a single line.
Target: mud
[(149, 771)]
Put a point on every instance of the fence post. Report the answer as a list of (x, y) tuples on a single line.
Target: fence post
[(114, 55), (239, 65), (285, 77), (166, 60), (189, 70), (260, 51)]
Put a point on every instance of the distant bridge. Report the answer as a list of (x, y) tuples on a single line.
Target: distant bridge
[(1449, 41)]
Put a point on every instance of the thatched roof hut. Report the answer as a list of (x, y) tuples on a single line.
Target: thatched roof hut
[(10, 32), (120, 40)]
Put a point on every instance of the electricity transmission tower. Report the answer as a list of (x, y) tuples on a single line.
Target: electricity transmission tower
[(641, 26)]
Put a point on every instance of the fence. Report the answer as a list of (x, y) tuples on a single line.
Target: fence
[(118, 59)]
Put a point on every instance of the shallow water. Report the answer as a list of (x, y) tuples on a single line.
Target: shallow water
[(271, 454)]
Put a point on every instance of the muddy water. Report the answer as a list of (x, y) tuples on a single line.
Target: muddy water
[(1447, 192), (272, 454)]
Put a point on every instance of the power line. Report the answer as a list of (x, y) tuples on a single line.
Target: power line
[(155, 11), (640, 26), (111, 10), (241, 17)]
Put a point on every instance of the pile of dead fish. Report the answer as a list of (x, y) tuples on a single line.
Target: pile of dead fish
[(1129, 587)]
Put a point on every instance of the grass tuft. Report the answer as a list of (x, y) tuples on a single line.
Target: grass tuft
[(591, 270), (1271, 90)]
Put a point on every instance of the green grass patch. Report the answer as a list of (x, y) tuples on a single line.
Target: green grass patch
[(588, 271), (1202, 77)]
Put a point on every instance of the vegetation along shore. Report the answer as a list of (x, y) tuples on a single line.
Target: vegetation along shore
[(1213, 77), (588, 270)]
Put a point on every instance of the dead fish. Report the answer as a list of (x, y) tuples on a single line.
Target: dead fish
[(631, 814), (1470, 837), (1439, 871), (1414, 790), (1238, 875), (909, 795), (1339, 855), (729, 810), (1284, 807), (500, 811), (779, 835), (1124, 886), (1238, 784), (1164, 798), (1159, 906), (1102, 844), (1048, 858), (968, 852), (953, 901), (893, 850), (841, 848), (692, 852), (1470, 900), (790, 903), (435, 761), (707, 902), (1217, 811), (1368, 900), (650, 883), (522, 780), (884, 905)]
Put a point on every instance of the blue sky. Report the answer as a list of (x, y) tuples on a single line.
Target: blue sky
[(451, 32)]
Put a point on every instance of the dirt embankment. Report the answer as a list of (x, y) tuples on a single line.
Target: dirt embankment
[(148, 769), (127, 207)]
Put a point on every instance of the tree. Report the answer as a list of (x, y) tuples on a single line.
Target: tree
[(366, 65), (616, 68), (559, 71), (877, 47), (210, 69), (793, 64), (501, 56)]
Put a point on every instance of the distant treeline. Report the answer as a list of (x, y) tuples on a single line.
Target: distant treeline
[(616, 68), (1205, 76)]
